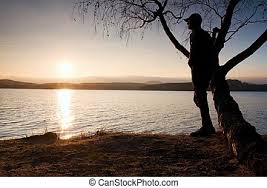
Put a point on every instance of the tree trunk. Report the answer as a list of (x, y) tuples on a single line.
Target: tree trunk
[(243, 140)]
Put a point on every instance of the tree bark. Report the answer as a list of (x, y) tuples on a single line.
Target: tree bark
[(243, 140)]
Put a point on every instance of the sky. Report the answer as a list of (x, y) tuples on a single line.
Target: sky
[(41, 39)]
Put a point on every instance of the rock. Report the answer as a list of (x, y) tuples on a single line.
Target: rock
[(47, 138)]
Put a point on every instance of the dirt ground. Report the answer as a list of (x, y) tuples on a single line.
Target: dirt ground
[(119, 154)]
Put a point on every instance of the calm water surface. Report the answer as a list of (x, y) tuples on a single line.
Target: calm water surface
[(72, 112)]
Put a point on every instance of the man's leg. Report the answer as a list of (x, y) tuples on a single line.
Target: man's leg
[(200, 99)]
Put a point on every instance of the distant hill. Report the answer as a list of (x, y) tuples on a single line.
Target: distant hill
[(235, 85), (5, 83), (169, 87)]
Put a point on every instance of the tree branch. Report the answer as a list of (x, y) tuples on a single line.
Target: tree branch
[(219, 44), (175, 42), (245, 54), (247, 21)]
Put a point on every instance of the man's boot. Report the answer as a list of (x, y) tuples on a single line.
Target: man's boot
[(207, 128), (203, 132)]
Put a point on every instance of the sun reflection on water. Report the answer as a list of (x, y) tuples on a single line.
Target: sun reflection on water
[(65, 115)]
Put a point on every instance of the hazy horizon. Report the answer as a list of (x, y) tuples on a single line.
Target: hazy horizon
[(129, 78)]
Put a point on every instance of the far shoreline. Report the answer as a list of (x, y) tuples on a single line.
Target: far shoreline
[(116, 89), (235, 85)]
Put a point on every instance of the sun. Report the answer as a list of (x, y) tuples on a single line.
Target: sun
[(65, 70)]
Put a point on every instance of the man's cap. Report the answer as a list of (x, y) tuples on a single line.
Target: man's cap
[(196, 18)]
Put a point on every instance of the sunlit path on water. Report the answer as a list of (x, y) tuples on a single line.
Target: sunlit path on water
[(64, 112)]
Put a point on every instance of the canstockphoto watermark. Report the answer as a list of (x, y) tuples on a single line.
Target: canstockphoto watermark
[(133, 182)]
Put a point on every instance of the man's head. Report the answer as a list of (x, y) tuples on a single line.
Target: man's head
[(193, 21)]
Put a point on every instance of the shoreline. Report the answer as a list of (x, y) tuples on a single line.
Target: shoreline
[(119, 154), (232, 91), (235, 85)]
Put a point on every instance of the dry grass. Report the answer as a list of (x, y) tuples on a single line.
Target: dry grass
[(119, 154)]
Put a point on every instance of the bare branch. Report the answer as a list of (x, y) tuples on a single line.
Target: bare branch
[(246, 21), (219, 43), (172, 37), (127, 16), (210, 7), (177, 17), (245, 54)]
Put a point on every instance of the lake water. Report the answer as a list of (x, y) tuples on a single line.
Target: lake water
[(72, 112)]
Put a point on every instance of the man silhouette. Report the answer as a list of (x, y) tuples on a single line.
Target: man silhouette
[(202, 64)]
